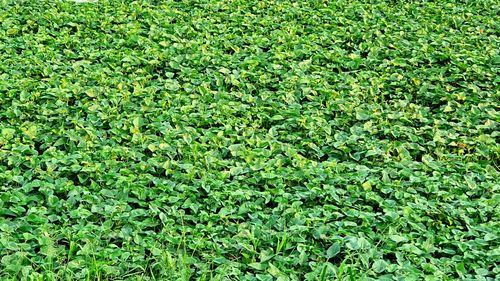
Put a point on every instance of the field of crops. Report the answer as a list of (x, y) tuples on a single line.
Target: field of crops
[(249, 140)]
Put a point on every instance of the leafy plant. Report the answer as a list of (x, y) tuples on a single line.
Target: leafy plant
[(249, 140)]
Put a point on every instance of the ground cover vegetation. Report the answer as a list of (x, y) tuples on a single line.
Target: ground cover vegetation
[(249, 140)]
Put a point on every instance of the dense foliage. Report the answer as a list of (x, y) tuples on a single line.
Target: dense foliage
[(249, 140)]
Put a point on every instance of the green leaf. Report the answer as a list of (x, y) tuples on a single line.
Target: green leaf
[(273, 270), (353, 243), (379, 266), (258, 265), (398, 238), (333, 250), (8, 133)]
